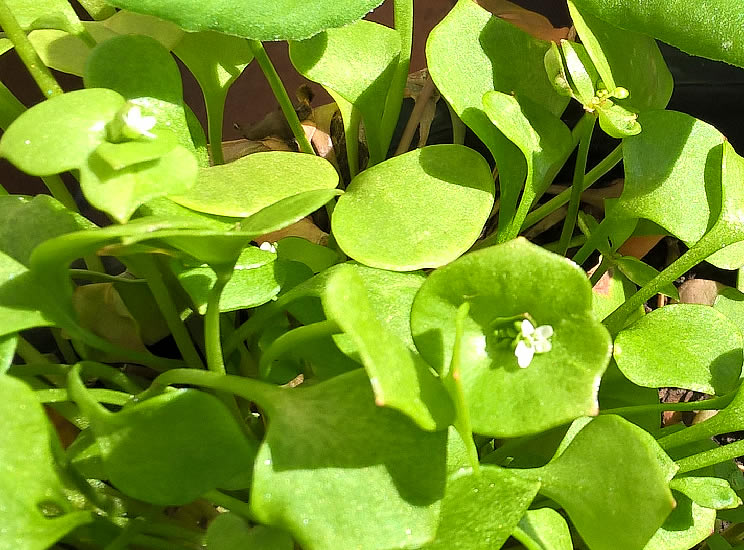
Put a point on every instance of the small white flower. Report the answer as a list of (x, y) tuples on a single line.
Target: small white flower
[(138, 124), (530, 341), (268, 247)]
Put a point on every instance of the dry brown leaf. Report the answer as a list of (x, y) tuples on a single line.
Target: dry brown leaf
[(416, 85), (304, 228), (699, 291), (66, 430), (639, 246), (531, 22)]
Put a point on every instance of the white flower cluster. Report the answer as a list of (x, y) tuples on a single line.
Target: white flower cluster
[(530, 341)]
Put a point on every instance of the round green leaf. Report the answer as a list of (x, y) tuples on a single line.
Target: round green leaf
[(543, 529), (421, 209), (169, 449), (242, 188), (35, 13), (58, 134), (257, 19), (229, 531), (66, 52), (682, 345), (503, 282)]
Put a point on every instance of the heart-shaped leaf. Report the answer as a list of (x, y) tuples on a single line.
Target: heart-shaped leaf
[(375, 482), (357, 63), (36, 513), (400, 378), (162, 450), (468, 520), (623, 481), (58, 134), (502, 284), (543, 529), (252, 183), (423, 209), (257, 19), (682, 345), (230, 531)]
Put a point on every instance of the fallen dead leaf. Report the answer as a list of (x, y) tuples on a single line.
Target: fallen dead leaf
[(305, 228), (529, 21), (699, 291)]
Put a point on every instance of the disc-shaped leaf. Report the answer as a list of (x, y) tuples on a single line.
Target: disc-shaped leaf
[(400, 378), (229, 531), (481, 509), (709, 30), (627, 59), (242, 188), (370, 478), (421, 209), (543, 529), (682, 345), (164, 450), (66, 52), (612, 475), (502, 284), (356, 62), (58, 134), (29, 483), (257, 19)]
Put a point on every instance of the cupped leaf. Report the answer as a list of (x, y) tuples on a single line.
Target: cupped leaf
[(36, 513), (682, 345), (375, 482), (257, 19), (250, 184), (612, 475), (163, 450), (229, 531), (502, 284), (357, 63), (421, 209), (400, 378), (58, 134), (627, 59), (481, 509), (709, 30), (471, 53), (543, 529)]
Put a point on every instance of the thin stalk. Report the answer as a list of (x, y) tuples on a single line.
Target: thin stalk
[(403, 12), (250, 327), (59, 191), (458, 127), (281, 95), (150, 270), (231, 503), (289, 342), (215, 117), (64, 347), (706, 246), (576, 188), (28, 352), (710, 458), (578, 240), (414, 121), (352, 142), (89, 368), (60, 395), (88, 275), (604, 265), (716, 403), (604, 166), (41, 74)]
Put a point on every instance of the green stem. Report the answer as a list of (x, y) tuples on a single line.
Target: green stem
[(40, 72), (605, 165), (716, 403), (352, 142), (231, 503), (249, 328), (150, 270), (706, 246), (215, 117), (452, 381), (576, 187), (403, 11), (64, 346), (458, 127), (89, 368), (59, 191), (60, 395), (29, 353), (88, 275), (710, 458), (281, 95), (10, 107), (290, 341)]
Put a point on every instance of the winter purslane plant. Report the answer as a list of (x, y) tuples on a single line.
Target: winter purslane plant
[(425, 379)]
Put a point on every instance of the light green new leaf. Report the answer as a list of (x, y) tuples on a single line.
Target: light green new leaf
[(543, 529), (502, 284), (357, 63), (257, 19), (480, 509), (66, 52), (45, 14), (36, 513), (252, 183), (709, 492), (471, 53), (705, 29), (400, 378), (58, 134), (164, 450), (229, 531), (682, 345), (375, 482), (612, 475), (421, 209), (127, 22)]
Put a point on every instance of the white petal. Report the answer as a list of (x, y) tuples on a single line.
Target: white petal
[(542, 346), (544, 332), (524, 354), (527, 328)]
